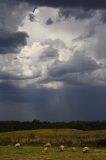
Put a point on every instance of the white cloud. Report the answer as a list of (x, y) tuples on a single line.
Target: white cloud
[(53, 85)]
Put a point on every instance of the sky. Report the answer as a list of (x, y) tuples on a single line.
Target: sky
[(52, 60)]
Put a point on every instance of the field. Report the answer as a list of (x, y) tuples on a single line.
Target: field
[(35, 153), (32, 143), (55, 136)]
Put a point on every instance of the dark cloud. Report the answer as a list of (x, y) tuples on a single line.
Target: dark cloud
[(13, 76), (94, 4), (79, 14), (49, 21), (49, 53), (6, 76), (72, 103), (100, 47), (12, 15), (12, 42), (78, 63), (103, 16), (31, 17), (51, 48), (22, 98), (88, 32)]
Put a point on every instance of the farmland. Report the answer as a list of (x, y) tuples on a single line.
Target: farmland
[(55, 136), (35, 153), (32, 142)]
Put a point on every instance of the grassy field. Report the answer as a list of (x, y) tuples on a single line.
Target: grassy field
[(35, 153), (55, 136), (32, 144)]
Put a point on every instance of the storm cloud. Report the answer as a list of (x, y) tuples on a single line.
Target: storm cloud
[(12, 42), (74, 103), (53, 69), (12, 15), (95, 4), (77, 13), (78, 63)]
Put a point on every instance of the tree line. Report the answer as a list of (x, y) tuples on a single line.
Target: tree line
[(37, 124)]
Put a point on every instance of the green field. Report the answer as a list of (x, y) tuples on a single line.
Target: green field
[(35, 153)]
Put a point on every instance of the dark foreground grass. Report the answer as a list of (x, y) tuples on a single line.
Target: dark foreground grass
[(35, 153)]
